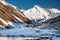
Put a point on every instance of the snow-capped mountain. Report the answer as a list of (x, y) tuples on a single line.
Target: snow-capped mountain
[(34, 16), (38, 12), (35, 21)]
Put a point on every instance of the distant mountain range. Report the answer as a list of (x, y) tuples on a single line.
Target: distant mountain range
[(35, 16)]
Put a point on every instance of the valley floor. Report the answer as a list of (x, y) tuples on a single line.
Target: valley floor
[(29, 33)]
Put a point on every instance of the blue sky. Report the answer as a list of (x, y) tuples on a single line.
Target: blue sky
[(26, 4)]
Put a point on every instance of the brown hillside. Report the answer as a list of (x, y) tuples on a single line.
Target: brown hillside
[(9, 13)]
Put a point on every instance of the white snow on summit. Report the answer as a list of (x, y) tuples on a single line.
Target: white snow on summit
[(38, 12)]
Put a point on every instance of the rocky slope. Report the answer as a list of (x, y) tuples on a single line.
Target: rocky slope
[(9, 13)]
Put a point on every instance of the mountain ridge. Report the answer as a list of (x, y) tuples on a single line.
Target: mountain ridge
[(9, 13)]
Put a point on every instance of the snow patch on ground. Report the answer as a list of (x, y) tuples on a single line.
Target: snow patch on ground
[(24, 31)]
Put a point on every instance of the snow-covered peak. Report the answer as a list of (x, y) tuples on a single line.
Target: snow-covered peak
[(54, 10), (37, 12), (36, 6)]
